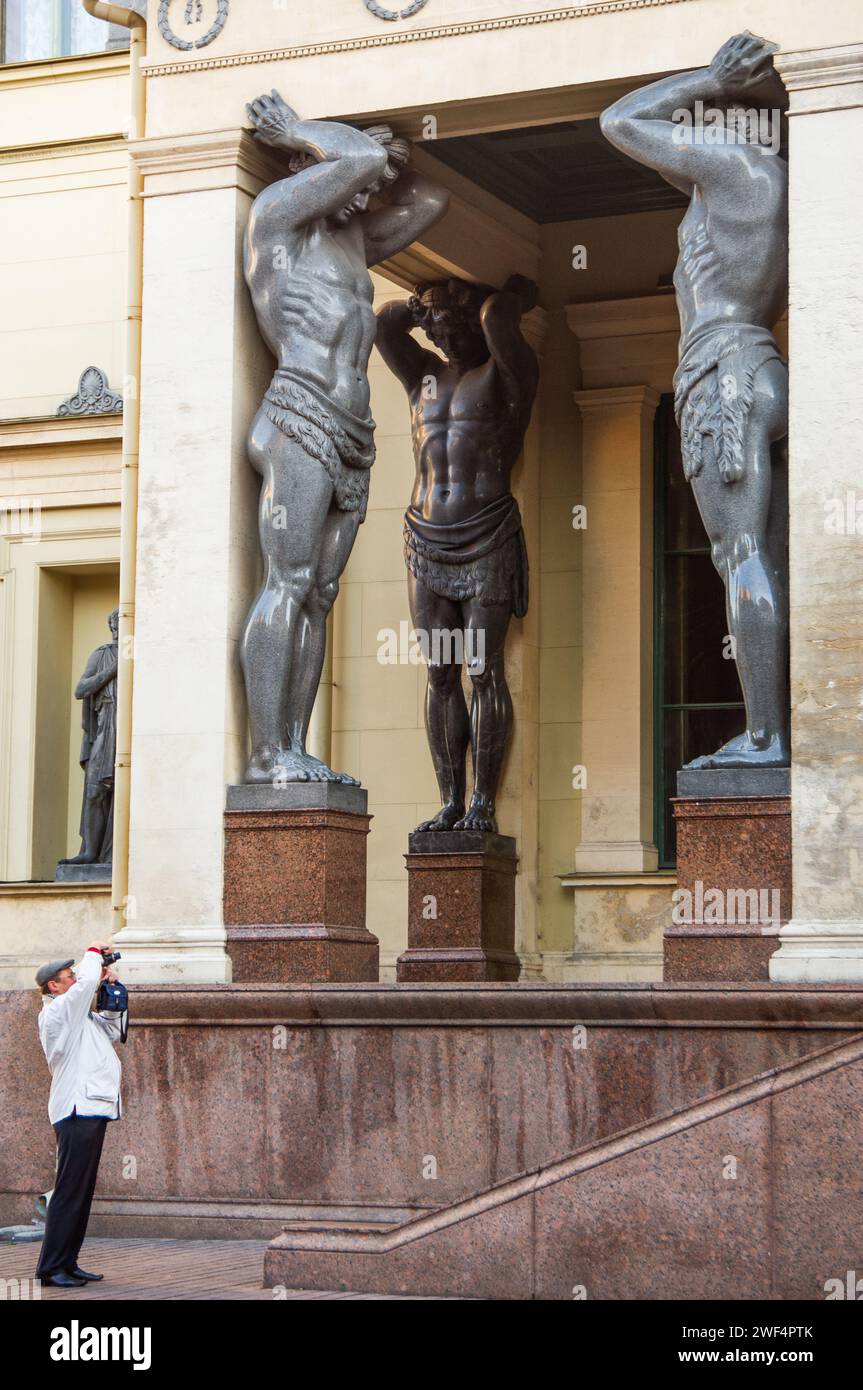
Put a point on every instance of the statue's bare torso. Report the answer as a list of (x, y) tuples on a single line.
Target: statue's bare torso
[(733, 264), (317, 319), (464, 454)]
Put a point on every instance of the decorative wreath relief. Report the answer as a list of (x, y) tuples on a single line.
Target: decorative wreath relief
[(193, 14), (412, 8)]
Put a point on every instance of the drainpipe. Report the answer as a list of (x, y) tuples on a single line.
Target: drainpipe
[(137, 26)]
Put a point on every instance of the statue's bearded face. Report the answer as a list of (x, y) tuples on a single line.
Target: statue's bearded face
[(114, 623)]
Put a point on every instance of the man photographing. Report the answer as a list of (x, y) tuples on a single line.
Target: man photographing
[(85, 1095)]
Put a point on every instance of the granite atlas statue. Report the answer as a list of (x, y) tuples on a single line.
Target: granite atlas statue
[(464, 545), (731, 384), (310, 240)]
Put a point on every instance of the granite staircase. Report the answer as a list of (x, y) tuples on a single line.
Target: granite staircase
[(752, 1192)]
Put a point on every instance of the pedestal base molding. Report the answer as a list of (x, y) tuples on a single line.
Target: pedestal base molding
[(819, 953)]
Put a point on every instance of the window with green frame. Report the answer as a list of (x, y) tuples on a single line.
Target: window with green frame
[(38, 29), (698, 704)]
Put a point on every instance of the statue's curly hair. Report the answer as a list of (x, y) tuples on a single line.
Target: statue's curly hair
[(461, 298)]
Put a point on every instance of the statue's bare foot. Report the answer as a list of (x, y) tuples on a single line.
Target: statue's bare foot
[(743, 751), (479, 817), (274, 767), (319, 772), (80, 859), (446, 819)]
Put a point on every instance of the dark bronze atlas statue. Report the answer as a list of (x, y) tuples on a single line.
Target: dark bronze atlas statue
[(310, 240), (464, 545), (97, 691), (731, 384)]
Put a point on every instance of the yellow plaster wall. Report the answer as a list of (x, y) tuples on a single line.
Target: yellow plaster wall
[(62, 208)]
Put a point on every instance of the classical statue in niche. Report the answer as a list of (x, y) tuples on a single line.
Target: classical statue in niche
[(310, 240), (464, 545), (97, 691), (731, 384)]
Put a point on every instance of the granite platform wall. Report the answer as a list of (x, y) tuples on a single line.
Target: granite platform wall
[(248, 1106), (751, 1194)]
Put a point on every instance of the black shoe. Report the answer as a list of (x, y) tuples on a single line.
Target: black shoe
[(63, 1281), (79, 1273)]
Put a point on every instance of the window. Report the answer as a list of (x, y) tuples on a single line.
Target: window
[(698, 704), (33, 29)]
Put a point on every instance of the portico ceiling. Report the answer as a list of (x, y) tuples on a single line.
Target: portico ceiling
[(556, 173)]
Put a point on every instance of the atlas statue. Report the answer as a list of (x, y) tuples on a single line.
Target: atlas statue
[(731, 384), (465, 550)]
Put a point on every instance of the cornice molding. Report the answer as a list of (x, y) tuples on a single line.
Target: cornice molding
[(621, 318), (401, 36), (822, 79), (645, 398), (53, 431), (63, 149), (226, 158), (35, 72)]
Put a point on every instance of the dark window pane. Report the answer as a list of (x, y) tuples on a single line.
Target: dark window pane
[(696, 670)]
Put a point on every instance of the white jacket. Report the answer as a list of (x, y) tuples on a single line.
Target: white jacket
[(85, 1069)]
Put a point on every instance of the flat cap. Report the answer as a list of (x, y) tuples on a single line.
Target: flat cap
[(47, 972)]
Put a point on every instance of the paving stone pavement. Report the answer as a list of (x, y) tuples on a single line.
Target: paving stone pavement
[(165, 1269)]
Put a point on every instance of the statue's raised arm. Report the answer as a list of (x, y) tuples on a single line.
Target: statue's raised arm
[(649, 124), (331, 162)]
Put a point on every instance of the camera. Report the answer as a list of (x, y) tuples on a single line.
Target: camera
[(108, 957)]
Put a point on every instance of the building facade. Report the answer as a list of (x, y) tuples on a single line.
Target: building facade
[(617, 672)]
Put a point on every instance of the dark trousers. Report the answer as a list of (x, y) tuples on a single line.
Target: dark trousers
[(79, 1148)]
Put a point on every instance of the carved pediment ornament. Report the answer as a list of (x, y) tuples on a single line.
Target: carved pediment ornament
[(193, 13), (93, 397)]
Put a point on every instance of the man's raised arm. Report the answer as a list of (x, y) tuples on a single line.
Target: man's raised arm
[(347, 161), (68, 1011), (647, 124)]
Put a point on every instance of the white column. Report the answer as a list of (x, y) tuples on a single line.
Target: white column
[(824, 940), (203, 371)]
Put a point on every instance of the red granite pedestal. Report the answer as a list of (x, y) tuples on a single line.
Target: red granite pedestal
[(734, 861), (295, 885), (461, 908)]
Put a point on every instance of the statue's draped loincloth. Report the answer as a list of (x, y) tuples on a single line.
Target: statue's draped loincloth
[(713, 393), (484, 557), (342, 442)]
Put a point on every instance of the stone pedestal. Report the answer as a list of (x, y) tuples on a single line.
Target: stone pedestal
[(733, 874), (295, 884), (461, 908), (82, 873)]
